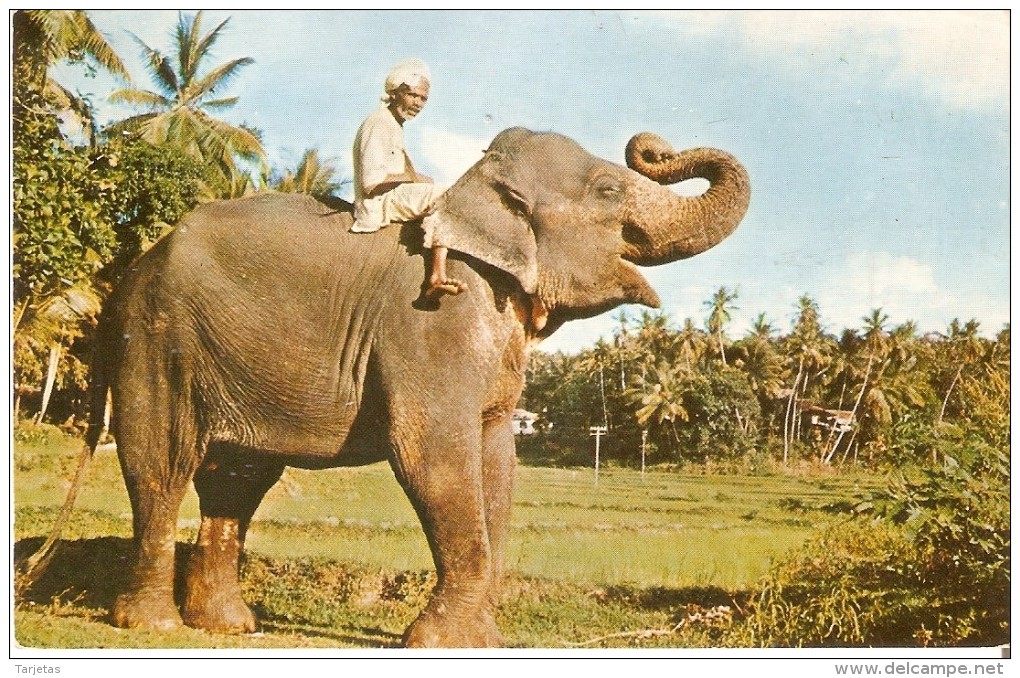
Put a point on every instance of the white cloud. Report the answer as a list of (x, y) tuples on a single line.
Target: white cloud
[(960, 56), (450, 154), (905, 289)]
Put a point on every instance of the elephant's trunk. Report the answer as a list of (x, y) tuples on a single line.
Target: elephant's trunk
[(663, 226)]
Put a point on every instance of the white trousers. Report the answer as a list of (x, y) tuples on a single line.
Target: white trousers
[(402, 203)]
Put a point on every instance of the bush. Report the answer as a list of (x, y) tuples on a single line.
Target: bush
[(38, 435), (923, 563)]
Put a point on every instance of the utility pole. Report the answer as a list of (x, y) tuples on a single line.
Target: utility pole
[(598, 432), (644, 441)]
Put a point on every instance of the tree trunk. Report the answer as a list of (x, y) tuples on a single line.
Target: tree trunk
[(853, 414), (787, 418), (51, 377), (798, 419), (945, 401), (19, 314), (832, 431)]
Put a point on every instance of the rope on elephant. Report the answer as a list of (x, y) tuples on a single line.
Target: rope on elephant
[(32, 568)]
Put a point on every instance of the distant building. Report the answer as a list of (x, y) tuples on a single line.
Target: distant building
[(522, 422), (839, 421)]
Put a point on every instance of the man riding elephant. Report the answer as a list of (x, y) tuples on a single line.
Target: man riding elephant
[(387, 188)]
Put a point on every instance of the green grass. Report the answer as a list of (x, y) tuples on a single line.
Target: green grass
[(337, 557)]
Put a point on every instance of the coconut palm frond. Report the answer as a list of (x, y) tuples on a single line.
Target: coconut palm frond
[(56, 318), (312, 177), (218, 77), (186, 43), (160, 68), (220, 104), (91, 40), (139, 97), (240, 140), (205, 44), (133, 125)]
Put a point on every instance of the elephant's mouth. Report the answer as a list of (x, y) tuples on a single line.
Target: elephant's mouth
[(636, 288)]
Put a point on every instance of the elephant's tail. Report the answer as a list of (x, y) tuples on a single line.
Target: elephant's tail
[(98, 403), (32, 568)]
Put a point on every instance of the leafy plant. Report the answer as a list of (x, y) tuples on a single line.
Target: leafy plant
[(60, 235), (924, 562)]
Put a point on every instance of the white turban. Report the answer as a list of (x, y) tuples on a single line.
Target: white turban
[(408, 72)]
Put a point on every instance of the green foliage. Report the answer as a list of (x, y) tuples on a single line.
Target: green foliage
[(723, 413), (60, 234), (926, 562), (958, 517), (877, 396), (153, 188), (838, 591)]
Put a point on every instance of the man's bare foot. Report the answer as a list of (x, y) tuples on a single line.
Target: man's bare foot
[(448, 286)]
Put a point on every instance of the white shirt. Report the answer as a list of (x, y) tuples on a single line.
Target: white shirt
[(378, 152)]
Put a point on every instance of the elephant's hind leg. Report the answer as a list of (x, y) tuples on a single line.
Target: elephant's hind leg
[(230, 486), (156, 481)]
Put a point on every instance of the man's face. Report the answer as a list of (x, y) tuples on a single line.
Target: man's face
[(408, 100)]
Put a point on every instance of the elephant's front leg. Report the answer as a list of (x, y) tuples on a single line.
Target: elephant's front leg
[(499, 461), (440, 468), (230, 488)]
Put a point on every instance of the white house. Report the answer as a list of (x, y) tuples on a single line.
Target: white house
[(522, 422)]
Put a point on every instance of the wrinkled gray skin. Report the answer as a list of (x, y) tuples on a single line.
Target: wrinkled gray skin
[(261, 334)]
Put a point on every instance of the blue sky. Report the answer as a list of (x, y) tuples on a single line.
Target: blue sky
[(877, 142)]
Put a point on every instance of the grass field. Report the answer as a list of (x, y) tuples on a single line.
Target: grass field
[(337, 558)]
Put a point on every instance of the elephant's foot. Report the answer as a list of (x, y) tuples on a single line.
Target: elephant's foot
[(438, 626), (151, 609), (213, 595), (223, 612)]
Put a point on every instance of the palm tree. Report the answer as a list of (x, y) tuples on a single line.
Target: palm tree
[(312, 176), (42, 38), (48, 332), (179, 111), (720, 304), (691, 344), (807, 347), (654, 337), (660, 396), (898, 384), (762, 328), (963, 346), (874, 333), (761, 362)]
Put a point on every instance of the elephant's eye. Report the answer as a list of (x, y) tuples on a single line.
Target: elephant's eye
[(608, 187)]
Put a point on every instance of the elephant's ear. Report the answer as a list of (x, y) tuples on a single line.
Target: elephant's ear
[(487, 214)]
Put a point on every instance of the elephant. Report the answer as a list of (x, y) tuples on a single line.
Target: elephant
[(260, 333)]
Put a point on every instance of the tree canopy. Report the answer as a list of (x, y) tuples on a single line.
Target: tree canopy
[(179, 111)]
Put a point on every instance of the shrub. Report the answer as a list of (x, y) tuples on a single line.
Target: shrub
[(923, 563)]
